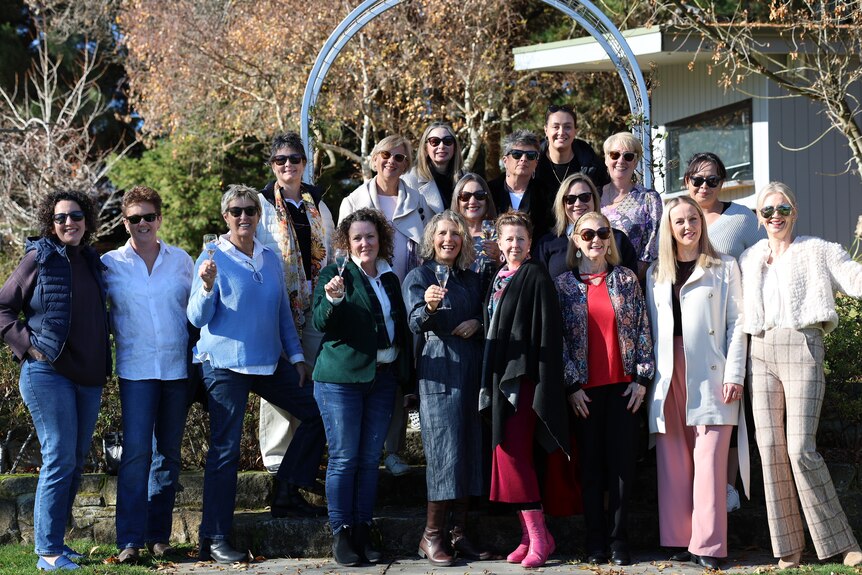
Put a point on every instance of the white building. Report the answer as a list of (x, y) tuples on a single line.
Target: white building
[(753, 126)]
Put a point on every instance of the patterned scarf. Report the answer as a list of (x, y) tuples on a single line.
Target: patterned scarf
[(504, 276), (294, 272)]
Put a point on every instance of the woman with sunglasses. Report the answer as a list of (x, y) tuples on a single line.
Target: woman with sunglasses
[(628, 205), (148, 284), (404, 208), (449, 323), (788, 284), (516, 187), (522, 383), (296, 224), (608, 365), (694, 297), (577, 196), (248, 342), (438, 167), (732, 227), (472, 200), (62, 343)]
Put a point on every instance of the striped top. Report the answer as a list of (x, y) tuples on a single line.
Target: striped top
[(735, 230)]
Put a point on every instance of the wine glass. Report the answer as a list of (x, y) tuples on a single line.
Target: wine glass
[(340, 260), (210, 243), (442, 273), (488, 229)]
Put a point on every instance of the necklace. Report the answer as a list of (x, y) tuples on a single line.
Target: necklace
[(591, 278), (565, 174)]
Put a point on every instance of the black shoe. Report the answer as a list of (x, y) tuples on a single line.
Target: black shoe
[(597, 558), (289, 502), (706, 561), (362, 544), (621, 557), (221, 552), (680, 554), (342, 548)]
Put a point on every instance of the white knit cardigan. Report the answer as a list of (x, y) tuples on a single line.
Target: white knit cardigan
[(809, 273)]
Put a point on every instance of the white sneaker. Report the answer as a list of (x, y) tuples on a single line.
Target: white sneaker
[(395, 465), (413, 416), (733, 502)]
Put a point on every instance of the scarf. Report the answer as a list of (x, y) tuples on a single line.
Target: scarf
[(504, 276)]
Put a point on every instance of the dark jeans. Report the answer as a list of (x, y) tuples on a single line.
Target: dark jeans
[(227, 393), (606, 445)]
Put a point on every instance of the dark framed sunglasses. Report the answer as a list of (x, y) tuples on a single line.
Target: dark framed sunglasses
[(397, 157), (292, 158), (481, 195), (589, 235), (553, 109), (518, 154), (447, 141), (782, 209), (136, 219), (711, 181), (250, 211), (75, 216), (572, 198), (627, 156)]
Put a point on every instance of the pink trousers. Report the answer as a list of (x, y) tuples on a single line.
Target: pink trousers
[(692, 473)]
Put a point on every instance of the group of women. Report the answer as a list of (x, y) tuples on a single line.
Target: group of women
[(551, 337)]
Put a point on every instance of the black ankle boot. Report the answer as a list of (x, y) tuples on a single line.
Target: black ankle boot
[(220, 551), (362, 544), (342, 548)]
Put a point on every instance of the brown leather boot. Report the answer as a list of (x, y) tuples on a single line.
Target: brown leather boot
[(460, 542), (434, 542)]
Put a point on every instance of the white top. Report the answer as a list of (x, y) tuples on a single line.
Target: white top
[(773, 310), (515, 199), (400, 250), (148, 312), (735, 230)]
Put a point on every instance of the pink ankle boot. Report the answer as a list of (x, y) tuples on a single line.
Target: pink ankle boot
[(541, 545), (521, 551)]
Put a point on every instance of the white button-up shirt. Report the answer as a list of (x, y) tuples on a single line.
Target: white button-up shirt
[(148, 312)]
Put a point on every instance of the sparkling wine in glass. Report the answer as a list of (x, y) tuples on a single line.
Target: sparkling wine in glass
[(210, 243), (340, 260), (442, 273), (487, 229)]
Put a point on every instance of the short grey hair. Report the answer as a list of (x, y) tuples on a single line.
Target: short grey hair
[(239, 192), (520, 138)]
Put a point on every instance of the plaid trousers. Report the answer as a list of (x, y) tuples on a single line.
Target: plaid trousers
[(787, 380)]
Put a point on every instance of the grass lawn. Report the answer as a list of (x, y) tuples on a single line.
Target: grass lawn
[(20, 560)]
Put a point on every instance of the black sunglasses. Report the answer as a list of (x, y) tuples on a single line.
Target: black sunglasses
[(250, 211), (553, 109), (711, 181), (445, 140), (465, 196), (292, 158), (782, 209), (397, 157), (136, 219), (583, 198), (589, 235), (76, 216), (517, 154), (627, 156)]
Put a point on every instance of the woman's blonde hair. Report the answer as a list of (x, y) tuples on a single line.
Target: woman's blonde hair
[(467, 253), (390, 143), (626, 141), (666, 268), (424, 165), (562, 219), (574, 255)]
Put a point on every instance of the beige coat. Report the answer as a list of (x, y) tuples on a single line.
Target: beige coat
[(411, 211)]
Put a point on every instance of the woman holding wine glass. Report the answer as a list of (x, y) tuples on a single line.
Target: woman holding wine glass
[(448, 374), (472, 200)]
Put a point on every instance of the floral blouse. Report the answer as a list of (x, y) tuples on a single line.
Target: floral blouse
[(639, 216)]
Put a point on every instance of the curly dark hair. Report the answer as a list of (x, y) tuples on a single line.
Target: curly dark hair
[(385, 231), (140, 194), (45, 213)]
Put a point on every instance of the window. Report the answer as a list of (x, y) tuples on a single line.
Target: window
[(724, 131)]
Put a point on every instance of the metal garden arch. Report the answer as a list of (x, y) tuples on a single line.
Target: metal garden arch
[(583, 12)]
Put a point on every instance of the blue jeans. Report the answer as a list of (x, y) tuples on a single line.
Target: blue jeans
[(64, 415), (356, 417), (228, 395), (154, 417)]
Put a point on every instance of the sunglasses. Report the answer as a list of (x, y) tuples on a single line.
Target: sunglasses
[(292, 158), (553, 109), (75, 216), (589, 235), (447, 141), (627, 156), (250, 211), (782, 209), (397, 157), (583, 198), (711, 181), (465, 196), (136, 219), (517, 154)]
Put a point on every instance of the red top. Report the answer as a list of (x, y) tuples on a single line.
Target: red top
[(604, 360)]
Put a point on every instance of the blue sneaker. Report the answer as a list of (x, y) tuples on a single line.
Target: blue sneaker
[(62, 562), (71, 553)]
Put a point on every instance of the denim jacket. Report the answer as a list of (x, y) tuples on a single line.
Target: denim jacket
[(633, 328)]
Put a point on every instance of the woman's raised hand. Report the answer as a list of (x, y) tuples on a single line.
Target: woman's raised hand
[(334, 288), (207, 273)]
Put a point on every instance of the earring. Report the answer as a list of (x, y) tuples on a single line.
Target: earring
[(578, 253), (502, 258)]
